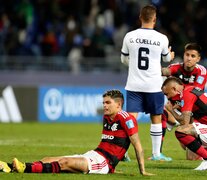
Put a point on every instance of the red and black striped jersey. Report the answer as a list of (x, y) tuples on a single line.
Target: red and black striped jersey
[(115, 137), (195, 101), (197, 77)]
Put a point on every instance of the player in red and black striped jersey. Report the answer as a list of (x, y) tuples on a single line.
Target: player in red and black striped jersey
[(119, 130), (192, 132), (115, 136), (191, 74)]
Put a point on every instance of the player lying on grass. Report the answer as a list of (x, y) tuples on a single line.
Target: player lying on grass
[(192, 132), (119, 130)]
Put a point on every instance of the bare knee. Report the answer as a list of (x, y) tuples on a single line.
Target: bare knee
[(73, 164)]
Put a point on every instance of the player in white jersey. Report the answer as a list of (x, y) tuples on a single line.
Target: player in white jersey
[(142, 51)]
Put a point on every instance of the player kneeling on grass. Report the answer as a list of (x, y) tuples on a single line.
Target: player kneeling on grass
[(119, 130), (192, 132)]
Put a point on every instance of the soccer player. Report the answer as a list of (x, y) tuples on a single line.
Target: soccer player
[(119, 130), (192, 131), (142, 50), (190, 73)]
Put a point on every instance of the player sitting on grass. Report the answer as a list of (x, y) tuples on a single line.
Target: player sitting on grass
[(119, 130)]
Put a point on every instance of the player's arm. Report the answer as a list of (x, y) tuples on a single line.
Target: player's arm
[(139, 153), (125, 59), (125, 51), (169, 56), (183, 118), (166, 71), (200, 81)]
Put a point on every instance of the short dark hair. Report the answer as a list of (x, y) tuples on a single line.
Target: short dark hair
[(114, 94), (193, 46), (172, 79), (147, 13)]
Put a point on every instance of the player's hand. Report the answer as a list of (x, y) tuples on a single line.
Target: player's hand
[(172, 53), (147, 174), (169, 106)]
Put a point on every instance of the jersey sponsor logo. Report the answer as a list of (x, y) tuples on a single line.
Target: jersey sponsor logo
[(191, 79), (114, 127), (105, 136), (200, 79), (9, 110), (129, 124)]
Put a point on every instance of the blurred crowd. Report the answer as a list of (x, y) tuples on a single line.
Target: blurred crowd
[(93, 28)]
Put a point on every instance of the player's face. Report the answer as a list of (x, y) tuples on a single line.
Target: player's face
[(170, 91), (110, 106), (191, 57)]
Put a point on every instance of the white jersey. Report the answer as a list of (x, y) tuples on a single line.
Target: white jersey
[(144, 48)]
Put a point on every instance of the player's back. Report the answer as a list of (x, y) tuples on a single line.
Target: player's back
[(145, 47)]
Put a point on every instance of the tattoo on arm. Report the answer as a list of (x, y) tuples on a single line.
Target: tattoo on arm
[(184, 118)]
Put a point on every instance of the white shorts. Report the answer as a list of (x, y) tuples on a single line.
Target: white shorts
[(97, 164), (201, 130)]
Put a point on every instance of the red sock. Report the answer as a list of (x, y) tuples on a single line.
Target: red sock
[(37, 167)]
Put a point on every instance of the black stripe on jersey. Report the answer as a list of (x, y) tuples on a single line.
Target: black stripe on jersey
[(109, 126), (122, 142), (202, 107)]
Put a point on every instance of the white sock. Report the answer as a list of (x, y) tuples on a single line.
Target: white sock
[(156, 135)]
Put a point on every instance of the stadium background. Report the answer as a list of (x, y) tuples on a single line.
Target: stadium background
[(57, 57)]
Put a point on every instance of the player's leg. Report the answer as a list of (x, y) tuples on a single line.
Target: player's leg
[(69, 164), (51, 159), (35, 167), (189, 137), (164, 118), (190, 155), (74, 164), (154, 104)]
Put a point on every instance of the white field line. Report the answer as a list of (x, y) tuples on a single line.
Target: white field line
[(35, 143)]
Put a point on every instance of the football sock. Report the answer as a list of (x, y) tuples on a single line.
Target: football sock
[(163, 136), (39, 167), (156, 136), (164, 127), (192, 143)]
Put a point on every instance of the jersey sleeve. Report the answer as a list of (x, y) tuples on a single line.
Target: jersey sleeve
[(166, 56), (124, 49), (200, 81), (165, 49), (173, 69), (201, 77), (188, 100), (130, 125)]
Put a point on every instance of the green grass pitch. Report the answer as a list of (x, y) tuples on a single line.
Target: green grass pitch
[(33, 141)]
